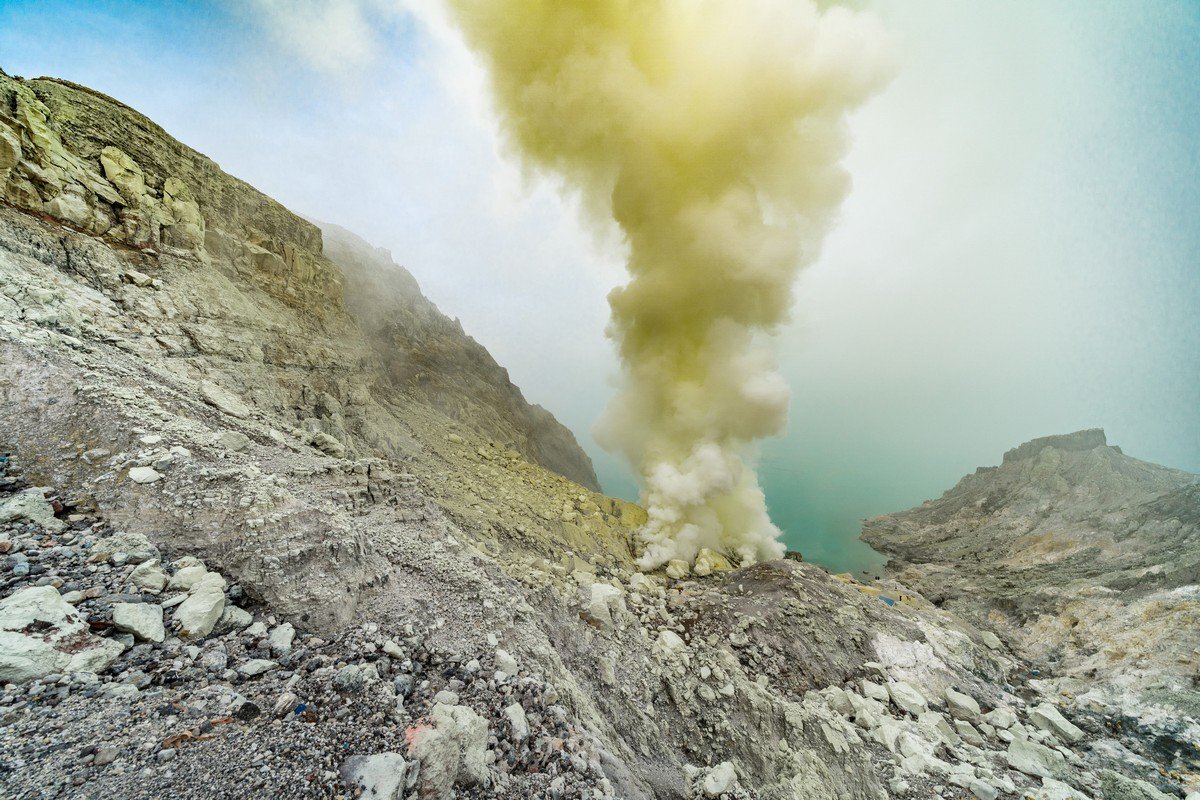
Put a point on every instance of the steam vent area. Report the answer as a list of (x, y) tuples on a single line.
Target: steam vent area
[(273, 525)]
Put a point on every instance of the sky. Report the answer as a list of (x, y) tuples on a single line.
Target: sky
[(1019, 255)]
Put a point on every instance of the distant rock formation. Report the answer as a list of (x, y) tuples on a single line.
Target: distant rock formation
[(1085, 559)]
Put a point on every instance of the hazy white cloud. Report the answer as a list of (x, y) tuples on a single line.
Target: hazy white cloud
[(340, 37)]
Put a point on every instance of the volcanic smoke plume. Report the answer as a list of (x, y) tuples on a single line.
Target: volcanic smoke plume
[(710, 131)]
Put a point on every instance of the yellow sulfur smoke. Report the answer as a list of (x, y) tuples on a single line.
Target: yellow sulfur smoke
[(711, 131)]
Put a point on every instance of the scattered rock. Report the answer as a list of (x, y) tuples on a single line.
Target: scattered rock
[(1050, 719), (144, 474)]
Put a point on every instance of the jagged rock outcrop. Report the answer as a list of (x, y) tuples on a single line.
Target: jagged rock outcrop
[(1086, 560)]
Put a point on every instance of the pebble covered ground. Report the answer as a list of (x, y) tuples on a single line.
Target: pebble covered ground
[(255, 706)]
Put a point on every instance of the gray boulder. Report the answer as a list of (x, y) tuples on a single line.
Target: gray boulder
[(1036, 759), (1048, 718), (143, 620), (1116, 786), (200, 611)]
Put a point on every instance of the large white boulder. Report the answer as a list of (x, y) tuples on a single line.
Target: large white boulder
[(31, 505), (1001, 717), (224, 400), (200, 611), (380, 776), (452, 752), (281, 637), (41, 633), (1048, 718), (505, 663), (720, 779), (907, 698), (186, 577), (962, 706), (601, 597), (1036, 759), (149, 577), (144, 474), (518, 722)]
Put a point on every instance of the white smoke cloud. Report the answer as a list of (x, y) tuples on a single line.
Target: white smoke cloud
[(710, 132)]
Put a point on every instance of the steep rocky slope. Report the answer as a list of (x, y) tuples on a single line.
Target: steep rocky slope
[(1086, 560), (427, 354), (102, 168), (245, 554)]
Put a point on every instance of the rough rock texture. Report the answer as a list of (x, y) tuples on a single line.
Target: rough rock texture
[(1087, 561), (151, 305)]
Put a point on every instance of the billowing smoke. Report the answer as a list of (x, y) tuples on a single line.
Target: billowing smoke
[(711, 131)]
